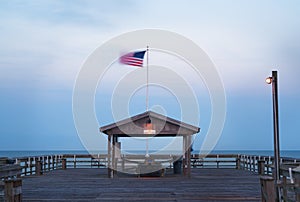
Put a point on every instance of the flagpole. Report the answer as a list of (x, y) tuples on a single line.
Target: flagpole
[(147, 85), (147, 99)]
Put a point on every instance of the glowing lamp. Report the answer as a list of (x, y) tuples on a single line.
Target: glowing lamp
[(149, 129), (269, 80)]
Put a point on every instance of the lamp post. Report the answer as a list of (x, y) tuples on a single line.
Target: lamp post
[(274, 81)]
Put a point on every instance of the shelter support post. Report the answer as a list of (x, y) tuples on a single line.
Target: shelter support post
[(187, 155), (184, 155), (109, 173), (114, 159), (189, 143)]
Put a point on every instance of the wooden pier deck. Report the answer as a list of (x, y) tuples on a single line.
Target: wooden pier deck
[(93, 185)]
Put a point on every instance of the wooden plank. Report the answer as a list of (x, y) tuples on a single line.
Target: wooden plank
[(93, 185), (3, 160), (13, 190), (9, 171)]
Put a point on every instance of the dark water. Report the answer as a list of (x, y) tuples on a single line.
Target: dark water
[(284, 153), (12, 154)]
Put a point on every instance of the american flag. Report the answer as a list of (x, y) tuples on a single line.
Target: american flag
[(133, 58)]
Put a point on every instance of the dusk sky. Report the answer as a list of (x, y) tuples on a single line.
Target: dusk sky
[(44, 44)]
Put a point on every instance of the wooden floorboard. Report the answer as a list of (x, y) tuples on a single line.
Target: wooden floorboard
[(93, 185)]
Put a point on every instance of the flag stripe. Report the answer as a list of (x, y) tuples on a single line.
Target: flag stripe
[(133, 59)]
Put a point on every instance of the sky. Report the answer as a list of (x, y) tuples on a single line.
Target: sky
[(44, 44)]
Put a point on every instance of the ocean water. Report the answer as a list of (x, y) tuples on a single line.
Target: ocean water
[(283, 153), (14, 154)]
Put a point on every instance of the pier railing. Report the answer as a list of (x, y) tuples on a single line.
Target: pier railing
[(290, 183), (259, 164), (197, 161), (84, 161), (262, 165), (10, 181), (40, 164), (37, 165)]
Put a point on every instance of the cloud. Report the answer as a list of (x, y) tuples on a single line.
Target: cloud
[(245, 40), (48, 41), (51, 39)]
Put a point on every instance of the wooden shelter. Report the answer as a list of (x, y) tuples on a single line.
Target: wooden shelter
[(148, 124)]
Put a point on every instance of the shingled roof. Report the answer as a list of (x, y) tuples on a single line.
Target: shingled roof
[(163, 125)]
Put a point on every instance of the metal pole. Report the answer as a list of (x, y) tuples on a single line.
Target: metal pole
[(147, 85), (276, 133), (147, 100)]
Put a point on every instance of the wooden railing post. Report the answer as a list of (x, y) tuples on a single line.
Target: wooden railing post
[(25, 167), (64, 163), (238, 163), (261, 167), (13, 190), (38, 167), (30, 165), (49, 162), (74, 161), (284, 188), (254, 163), (56, 161), (43, 162), (243, 162), (250, 163), (297, 184), (53, 162), (123, 163), (267, 189), (269, 171)]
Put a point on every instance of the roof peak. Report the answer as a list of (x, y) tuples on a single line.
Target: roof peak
[(150, 114)]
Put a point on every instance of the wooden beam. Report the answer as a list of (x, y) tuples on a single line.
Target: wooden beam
[(13, 190), (115, 137), (189, 144), (109, 156), (184, 163)]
